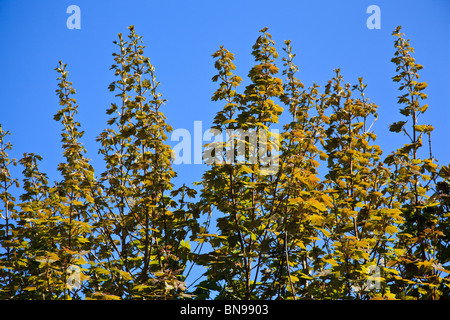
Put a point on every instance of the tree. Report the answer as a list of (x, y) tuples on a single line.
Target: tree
[(8, 277), (422, 237), (142, 244)]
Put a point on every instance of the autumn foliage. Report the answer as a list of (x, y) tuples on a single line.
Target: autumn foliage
[(337, 219)]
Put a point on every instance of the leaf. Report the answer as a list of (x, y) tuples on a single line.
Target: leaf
[(423, 108), (421, 85), (185, 244), (125, 275), (83, 240), (77, 203), (397, 126), (421, 128), (294, 279), (158, 274), (316, 219), (425, 264), (300, 244), (140, 287), (313, 180), (247, 169), (331, 261), (391, 229), (316, 204), (30, 289), (89, 198)]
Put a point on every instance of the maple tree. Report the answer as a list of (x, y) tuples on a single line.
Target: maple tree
[(313, 212)]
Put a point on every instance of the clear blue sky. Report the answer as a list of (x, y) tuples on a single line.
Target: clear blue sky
[(181, 36)]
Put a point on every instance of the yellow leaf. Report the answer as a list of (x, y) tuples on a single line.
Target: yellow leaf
[(316, 204), (325, 232), (140, 287), (294, 279), (327, 200), (30, 288), (185, 244), (89, 199), (331, 261), (425, 264), (158, 274), (300, 244), (317, 220), (247, 169), (391, 229), (125, 275), (313, 180), (83, 240), (295, 201)]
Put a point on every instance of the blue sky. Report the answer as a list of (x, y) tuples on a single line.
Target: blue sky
[(181, 36)]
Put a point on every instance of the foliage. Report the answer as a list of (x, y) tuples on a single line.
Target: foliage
[(313, 212)]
